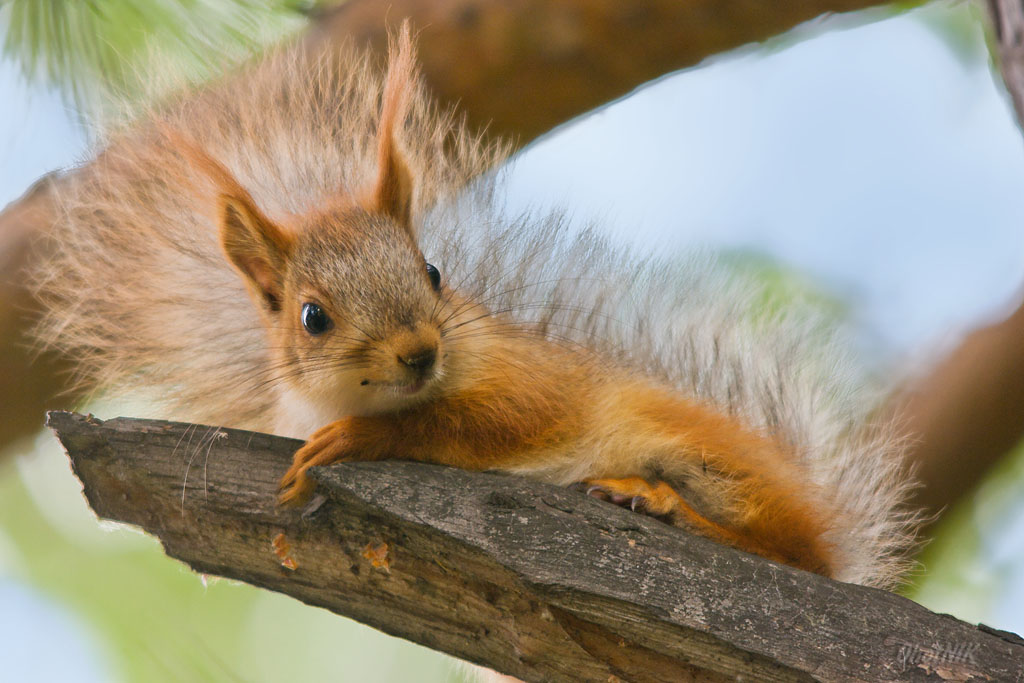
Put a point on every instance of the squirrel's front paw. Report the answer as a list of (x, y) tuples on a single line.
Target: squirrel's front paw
[(328, 445), (295, 485)]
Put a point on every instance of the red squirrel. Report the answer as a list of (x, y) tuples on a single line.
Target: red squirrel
[(309, 247)]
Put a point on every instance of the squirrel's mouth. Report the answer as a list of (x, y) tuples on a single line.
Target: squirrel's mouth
[(408, 386), (403, 388), (410, 389)]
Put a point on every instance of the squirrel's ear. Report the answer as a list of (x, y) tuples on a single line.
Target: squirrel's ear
[(392, 190), (256, 246)]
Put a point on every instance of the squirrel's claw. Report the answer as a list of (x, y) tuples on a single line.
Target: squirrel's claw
[(295, 487), (657, 500), (327, 445)]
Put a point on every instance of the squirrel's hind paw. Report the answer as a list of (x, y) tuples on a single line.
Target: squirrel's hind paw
[(663, 502), (657, 500)]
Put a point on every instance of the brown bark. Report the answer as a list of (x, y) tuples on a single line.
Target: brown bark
[(532, 580)]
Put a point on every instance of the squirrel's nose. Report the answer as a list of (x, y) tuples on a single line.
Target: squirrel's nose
[(421, 360)]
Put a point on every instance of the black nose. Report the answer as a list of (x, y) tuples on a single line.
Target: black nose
[(420, 361)]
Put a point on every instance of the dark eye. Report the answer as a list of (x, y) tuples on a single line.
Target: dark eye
[(435, 276), (314, 319)]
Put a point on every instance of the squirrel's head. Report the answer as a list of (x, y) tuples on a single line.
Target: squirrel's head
[(354, 311)]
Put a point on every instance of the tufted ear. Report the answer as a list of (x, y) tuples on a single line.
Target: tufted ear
[(392, 190), (257, 247)]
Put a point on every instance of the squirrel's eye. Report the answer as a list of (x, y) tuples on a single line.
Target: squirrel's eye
[(314, 319), (435, 276)]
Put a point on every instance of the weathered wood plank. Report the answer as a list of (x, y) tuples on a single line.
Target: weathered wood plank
[(539, 582)]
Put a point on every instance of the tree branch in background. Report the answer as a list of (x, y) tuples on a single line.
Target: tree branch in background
[(29, 382), (521, 67), (533, 580), (967, 414)]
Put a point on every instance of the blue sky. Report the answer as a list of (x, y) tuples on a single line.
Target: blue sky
[(42, 641), (37, 133)]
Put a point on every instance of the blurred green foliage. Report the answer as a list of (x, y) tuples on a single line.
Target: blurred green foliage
[(783, 288), (98, 52), (973, 560), (960, 31)]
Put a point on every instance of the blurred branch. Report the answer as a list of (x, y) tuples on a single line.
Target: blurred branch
[(1008, 26), (967, 414), (29, 382), (95, 52), (521, 67), (536, 581)]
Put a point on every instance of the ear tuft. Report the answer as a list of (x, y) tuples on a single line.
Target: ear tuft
[(392, 191)]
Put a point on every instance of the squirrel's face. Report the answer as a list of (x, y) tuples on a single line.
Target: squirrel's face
[(353, 310), (359, 325)]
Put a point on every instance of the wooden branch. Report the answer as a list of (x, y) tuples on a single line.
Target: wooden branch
[(536, 581)]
